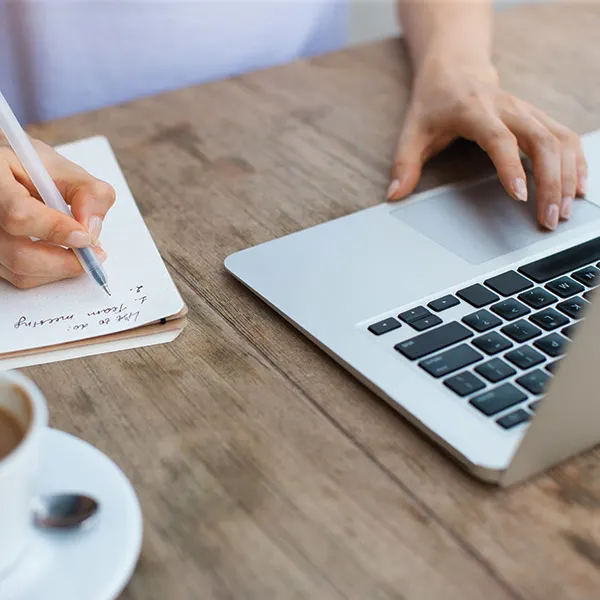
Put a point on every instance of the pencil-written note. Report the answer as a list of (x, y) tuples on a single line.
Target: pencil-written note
[(77, 309)]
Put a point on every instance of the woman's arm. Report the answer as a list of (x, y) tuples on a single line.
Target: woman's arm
[(456, 93)]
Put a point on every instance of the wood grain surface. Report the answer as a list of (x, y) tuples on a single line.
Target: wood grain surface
[(265, 471)]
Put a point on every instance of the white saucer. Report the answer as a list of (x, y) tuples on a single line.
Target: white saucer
[(93, 564)]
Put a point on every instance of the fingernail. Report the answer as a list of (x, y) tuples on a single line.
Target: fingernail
[(102, 256), (583, 184), (565, 208), (552, 216), (95, 228), (78, 239), (393, 188), (520, 188)]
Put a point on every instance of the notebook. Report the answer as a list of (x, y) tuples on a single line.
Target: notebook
[(75, 318)]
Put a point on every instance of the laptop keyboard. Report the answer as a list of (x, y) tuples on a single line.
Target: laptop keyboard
[(501, 355)]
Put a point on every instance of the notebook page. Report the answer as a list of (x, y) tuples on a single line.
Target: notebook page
[(142, 289)]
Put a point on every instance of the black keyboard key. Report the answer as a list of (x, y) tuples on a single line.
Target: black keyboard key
[(587, 276), (482, 320), (464, 384), (492, 343), (569, 331), (477, 296), (553, 344), (426, 323), (434, 340), (565, 287), (534, 382), (553, 366), (513, 419), (384, 326), (510, 309), (415, 314), (443, 303), (525, 357), (451, 360), (509, 283), (533, 406), (589, 295), (495, 370), (498, 399), (549, 319), (574, 307), (521, 331), (562, 262), (538, 298)]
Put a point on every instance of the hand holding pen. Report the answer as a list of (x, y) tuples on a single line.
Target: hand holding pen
[(71, 214)]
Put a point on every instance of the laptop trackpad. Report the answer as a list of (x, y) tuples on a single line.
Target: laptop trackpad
[(481, 222)]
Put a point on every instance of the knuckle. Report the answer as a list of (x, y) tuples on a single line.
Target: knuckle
[(14, 216), (102, 189), (545, 141)]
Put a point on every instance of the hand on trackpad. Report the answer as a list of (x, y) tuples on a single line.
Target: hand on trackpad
[(481, 222)]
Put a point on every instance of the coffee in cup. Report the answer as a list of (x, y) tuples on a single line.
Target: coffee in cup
[(23, 421)]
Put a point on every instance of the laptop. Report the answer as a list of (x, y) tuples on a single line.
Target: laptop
[(459, 311)]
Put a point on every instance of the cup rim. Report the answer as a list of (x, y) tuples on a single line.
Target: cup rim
[(39, 415)]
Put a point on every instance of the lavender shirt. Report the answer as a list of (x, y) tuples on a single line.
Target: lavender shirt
[(60, 57)]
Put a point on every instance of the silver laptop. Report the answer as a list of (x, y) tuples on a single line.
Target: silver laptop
[(460, 312)]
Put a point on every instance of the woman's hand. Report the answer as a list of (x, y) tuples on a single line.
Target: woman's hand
[(25, 263), (452, 100)]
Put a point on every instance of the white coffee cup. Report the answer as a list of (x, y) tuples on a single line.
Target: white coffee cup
[(21, 398)]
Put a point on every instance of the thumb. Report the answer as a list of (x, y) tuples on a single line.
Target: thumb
[(408, 162)]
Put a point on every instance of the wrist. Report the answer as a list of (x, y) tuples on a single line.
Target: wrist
[(464, 65)]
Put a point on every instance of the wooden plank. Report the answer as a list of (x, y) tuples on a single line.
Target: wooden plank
[(266, 470)]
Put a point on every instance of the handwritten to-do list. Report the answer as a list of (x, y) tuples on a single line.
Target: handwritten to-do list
[(78, 309)]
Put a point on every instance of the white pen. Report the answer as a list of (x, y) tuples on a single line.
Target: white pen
[(49, 193)]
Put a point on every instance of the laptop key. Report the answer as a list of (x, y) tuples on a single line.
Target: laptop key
[(573, 307), (384, 326), (534, 405), (478, 296), (492, 343), (553, 344), (587, 276), (426, 323), (553, 366), (498, 399), (443, 303), (509, 283), (495, 370), (414, 314), (589, 295), (513, 419), (510, 309), (565, 287), (464, 384), (562, 262), (482, 320), (521, 331), (525, 357), (451, 360), (434, 340), (549, 319), (569, 331), (534, 381), (538, 298)]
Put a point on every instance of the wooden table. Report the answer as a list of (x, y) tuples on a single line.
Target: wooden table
[(265, 471)]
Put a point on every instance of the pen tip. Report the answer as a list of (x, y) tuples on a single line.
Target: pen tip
[(105, 288)]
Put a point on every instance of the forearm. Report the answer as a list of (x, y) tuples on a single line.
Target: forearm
[(452, 31)]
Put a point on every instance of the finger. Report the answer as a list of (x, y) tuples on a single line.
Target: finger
[(23, 282), (544, 149), (23, 215), (26, 258), (409, 158), (492, 135), (90, 198), (572, 141)]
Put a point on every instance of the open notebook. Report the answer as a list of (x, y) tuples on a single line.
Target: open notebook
[(76, 318)]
